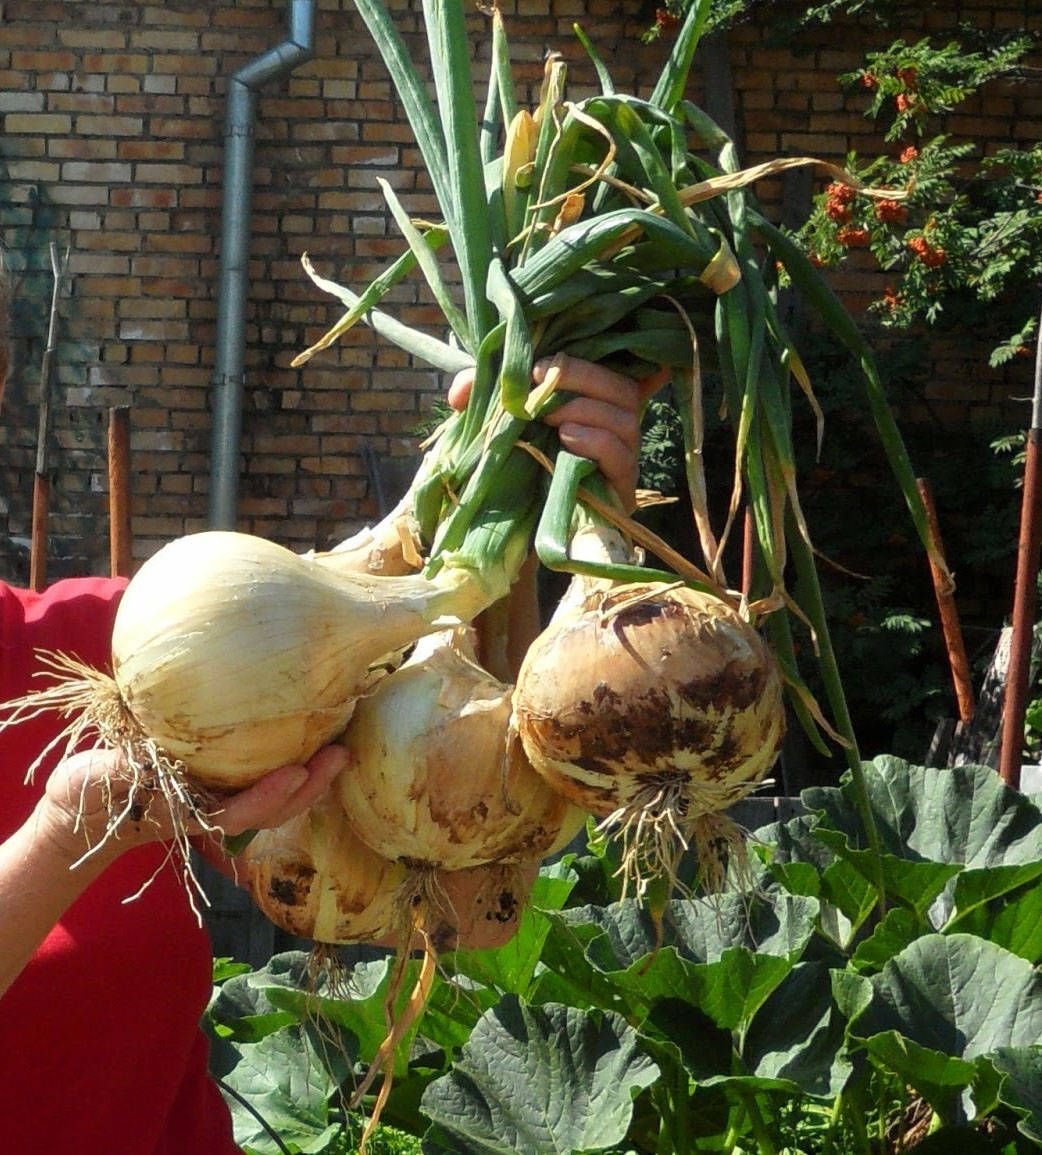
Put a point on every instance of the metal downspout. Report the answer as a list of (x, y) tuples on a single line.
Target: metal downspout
[(228, 378)]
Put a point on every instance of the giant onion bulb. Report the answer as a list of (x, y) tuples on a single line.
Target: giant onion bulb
[(315, 878), (435, 773), (232, 655), (650, 705)]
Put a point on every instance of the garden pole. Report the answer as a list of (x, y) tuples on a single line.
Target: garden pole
[(120, 539), (944, 591), (42, 476), (748, 539), (1022, 626)]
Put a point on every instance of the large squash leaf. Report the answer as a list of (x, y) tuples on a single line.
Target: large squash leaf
[(1014, 923), (803, 864), (952, 839), (797, 1036), (287, 1079), (945, 1004), (702, 929), (724, 955), (1022, 1086), (547, 1080)]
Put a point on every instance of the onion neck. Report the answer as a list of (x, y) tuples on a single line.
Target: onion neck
[(404, 608), (593, 541)]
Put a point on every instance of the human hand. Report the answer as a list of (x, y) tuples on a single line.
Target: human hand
[(88, 790), (602, 422)]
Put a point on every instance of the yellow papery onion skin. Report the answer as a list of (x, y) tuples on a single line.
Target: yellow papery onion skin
[(435, 773), (235, 655), (635, 686), (314, 878)]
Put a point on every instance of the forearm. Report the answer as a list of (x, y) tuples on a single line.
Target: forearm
[(37, 886)]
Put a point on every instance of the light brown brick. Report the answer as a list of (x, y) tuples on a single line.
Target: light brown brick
[(109, 125)]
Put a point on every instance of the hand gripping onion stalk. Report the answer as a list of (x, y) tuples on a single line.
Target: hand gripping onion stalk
[(437, 777), (652, 705)]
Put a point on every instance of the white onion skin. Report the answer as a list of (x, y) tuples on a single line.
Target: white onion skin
[(436, 775), (235, 655), (637, 685), (315, 878)]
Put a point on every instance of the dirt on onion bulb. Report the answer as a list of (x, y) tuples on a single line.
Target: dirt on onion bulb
[(652, 706), (483, 905)]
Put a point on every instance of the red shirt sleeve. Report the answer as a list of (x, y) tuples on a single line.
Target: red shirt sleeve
[(100, 1047)]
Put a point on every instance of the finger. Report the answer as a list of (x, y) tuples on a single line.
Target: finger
[(459, 390), (591, 380), (283, 793), (322, 768), (585, 411), (89, 785), (261, 804), (614, 457)]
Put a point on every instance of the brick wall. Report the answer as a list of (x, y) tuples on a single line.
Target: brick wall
[(111, 126)]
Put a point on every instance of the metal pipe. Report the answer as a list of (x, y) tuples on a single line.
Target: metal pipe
[(233, 286)]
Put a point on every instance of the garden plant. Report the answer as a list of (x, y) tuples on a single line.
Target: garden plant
[(781, 1014)]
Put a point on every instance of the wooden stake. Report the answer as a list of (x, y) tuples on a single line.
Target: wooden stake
[(950, 626), (41, 479), (1019, 673), (121, 542)]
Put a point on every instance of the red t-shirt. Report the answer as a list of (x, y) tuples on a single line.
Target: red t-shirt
[(100, 1047)]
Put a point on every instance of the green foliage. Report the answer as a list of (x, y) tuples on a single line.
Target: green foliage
[(911, 82), (666, 16), (877, 589), (783, 1014), (662, 448), (957, 225)]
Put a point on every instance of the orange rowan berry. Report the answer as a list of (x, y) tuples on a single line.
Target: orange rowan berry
[(854, 237), (891, 212)]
